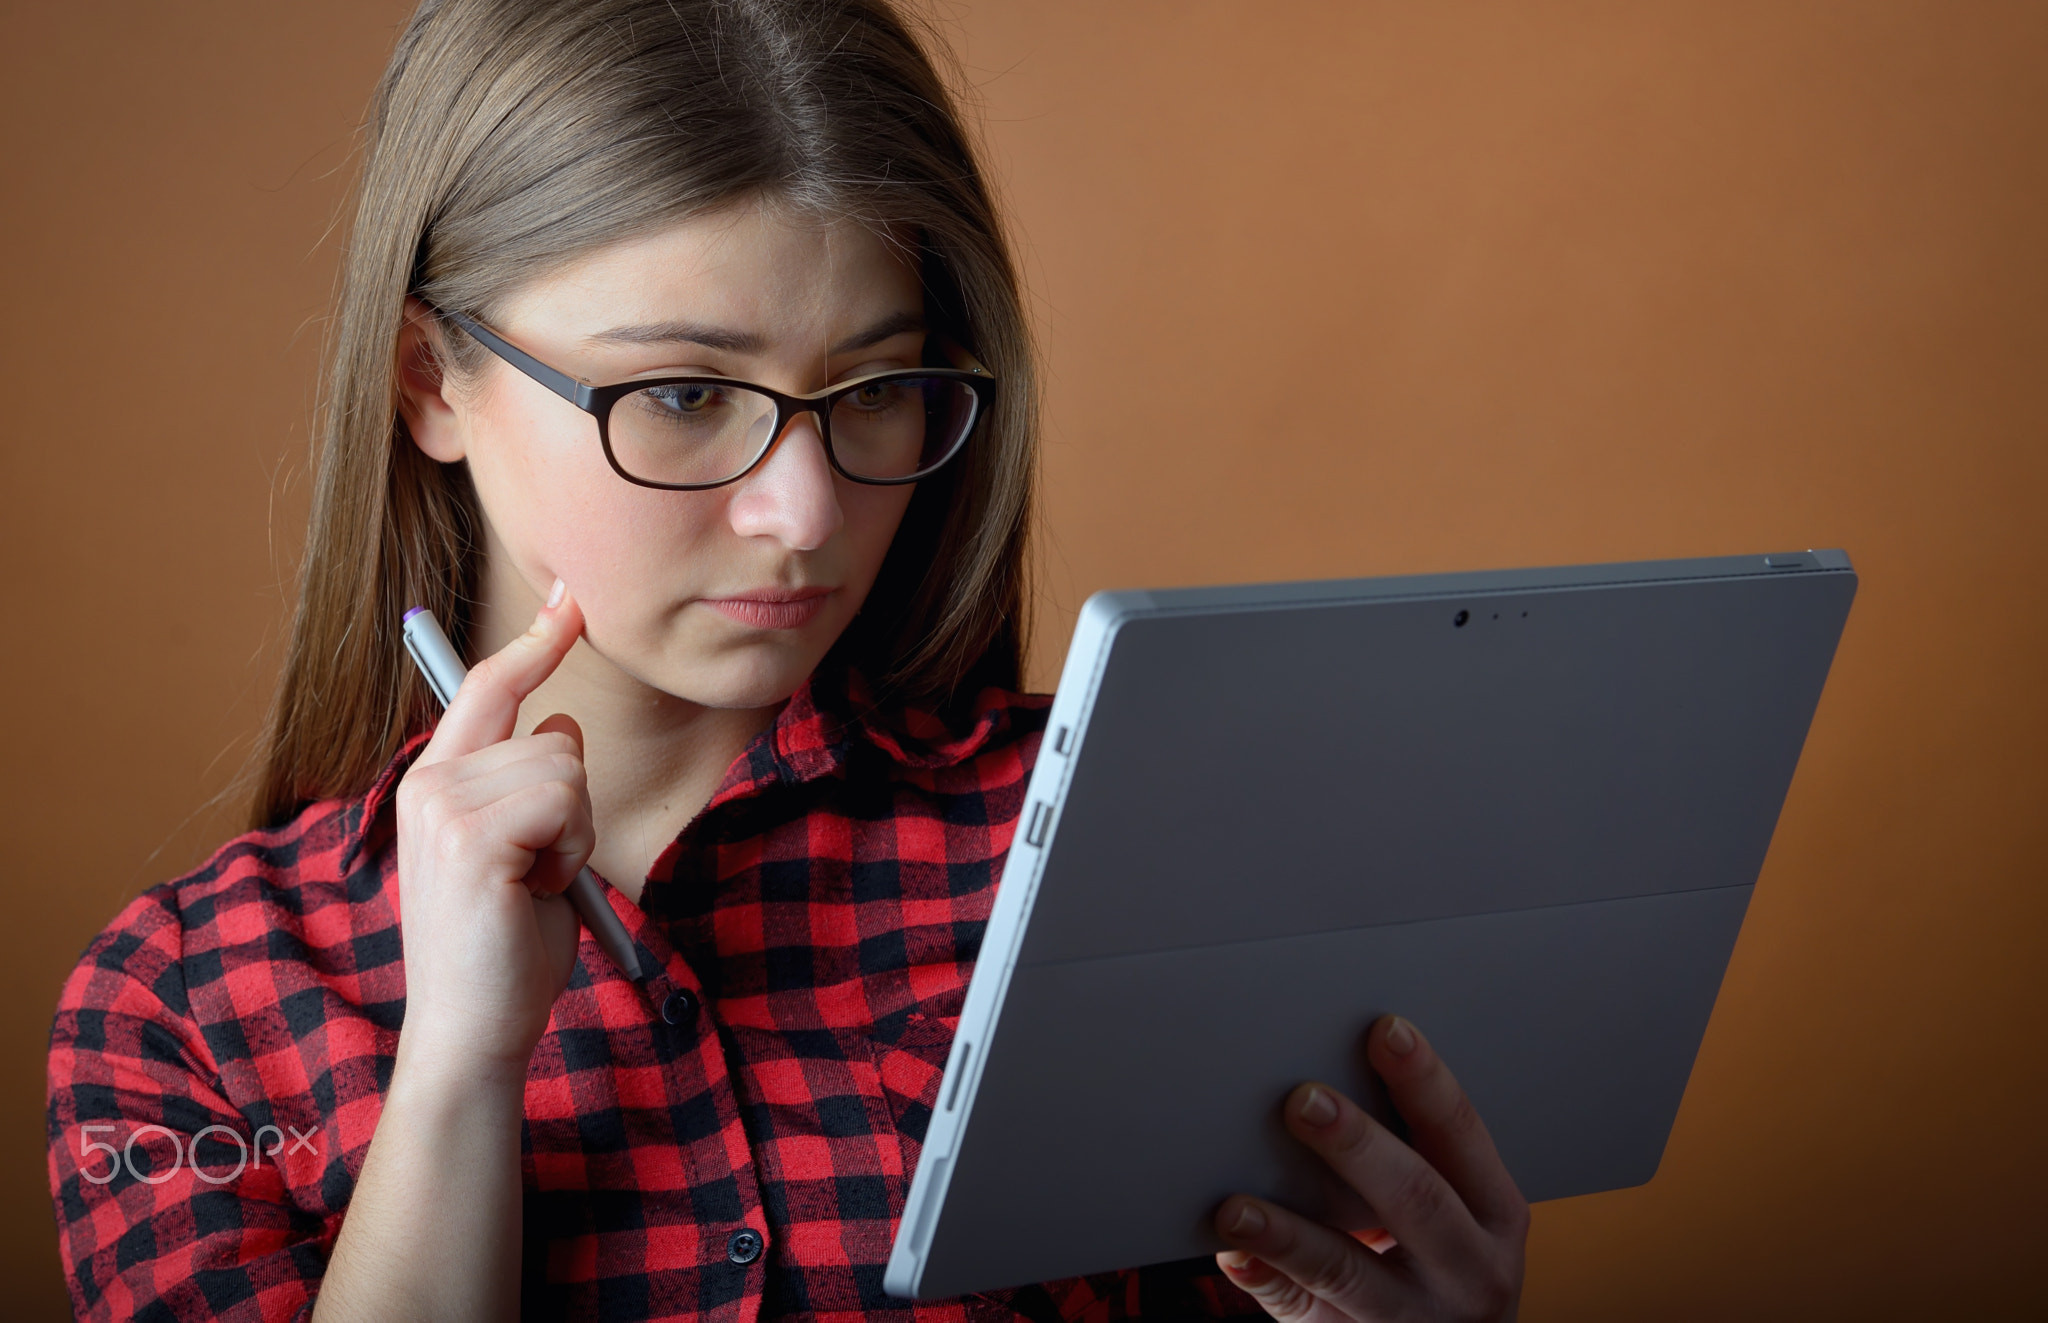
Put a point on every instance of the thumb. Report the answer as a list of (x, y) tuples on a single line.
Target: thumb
[(561, 723), (486, 707)]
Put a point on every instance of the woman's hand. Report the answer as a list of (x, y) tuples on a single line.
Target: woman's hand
[(1459, 1221), (491, 830)]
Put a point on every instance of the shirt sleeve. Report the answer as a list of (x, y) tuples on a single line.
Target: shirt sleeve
[(168, 1206)]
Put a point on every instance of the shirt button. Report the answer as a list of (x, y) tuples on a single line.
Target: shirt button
[(743, 1246), (679, 1007)]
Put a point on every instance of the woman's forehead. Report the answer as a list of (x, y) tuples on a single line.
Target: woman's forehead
[(762, 276)]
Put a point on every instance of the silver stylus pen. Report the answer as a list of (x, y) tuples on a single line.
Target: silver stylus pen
[(444, 670)]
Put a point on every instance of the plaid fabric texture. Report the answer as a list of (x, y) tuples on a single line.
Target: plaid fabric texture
[(730, 1139)]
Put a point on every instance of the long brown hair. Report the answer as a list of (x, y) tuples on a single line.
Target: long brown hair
[(508, 136)]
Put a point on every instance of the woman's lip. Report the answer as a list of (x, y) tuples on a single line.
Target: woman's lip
[(772, 608), (774, 595)]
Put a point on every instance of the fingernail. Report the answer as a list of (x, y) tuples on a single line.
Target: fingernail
[(555, 594), (1250, 1220), (1319, 1108), (1400, 1037)]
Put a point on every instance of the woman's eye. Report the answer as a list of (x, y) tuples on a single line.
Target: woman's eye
[(688, 398), (876, 395)]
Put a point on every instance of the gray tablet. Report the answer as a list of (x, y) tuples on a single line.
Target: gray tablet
[(1525, 809)]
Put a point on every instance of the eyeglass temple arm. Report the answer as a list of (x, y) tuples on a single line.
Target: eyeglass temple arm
[(958, 356), (561, 383)]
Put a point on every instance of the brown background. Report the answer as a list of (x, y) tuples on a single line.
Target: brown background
[(1572, 282)]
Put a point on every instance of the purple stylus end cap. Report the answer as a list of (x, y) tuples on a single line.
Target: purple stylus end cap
[(410, 614)]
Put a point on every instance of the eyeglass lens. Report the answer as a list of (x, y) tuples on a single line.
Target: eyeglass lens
[(698, 432)]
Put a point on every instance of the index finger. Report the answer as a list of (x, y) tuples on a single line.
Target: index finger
[(1419, 1206), (486, 707), (1442, 1124)]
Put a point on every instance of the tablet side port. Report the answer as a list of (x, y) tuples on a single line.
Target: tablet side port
[(933, 1192), (966, 1055)]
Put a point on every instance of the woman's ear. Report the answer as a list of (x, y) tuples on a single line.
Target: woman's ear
[(430, 419)]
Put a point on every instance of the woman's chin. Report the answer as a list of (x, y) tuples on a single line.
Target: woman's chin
[(753, 675)]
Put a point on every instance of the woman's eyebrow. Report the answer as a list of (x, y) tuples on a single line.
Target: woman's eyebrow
[(748, 342), (896, 323), (684, 333)]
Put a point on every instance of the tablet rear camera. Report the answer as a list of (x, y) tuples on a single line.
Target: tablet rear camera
[(1460, 618)]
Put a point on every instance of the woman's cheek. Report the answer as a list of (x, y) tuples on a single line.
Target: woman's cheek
[(540, 491), (560, 533), (628, 572)]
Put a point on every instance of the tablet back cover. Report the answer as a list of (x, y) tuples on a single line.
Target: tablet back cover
[(1524, 809)]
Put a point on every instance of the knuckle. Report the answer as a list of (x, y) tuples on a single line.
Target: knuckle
[(1464, 1117), (559, 798), (484, 673), (1357, 1136), (1282, 1297), (1516, 1219), (422, 814), (439, 810), (460, 838), (1327, 1279), (1421, 1193), (1489, 1292), (1337, 1275), (417, 787)]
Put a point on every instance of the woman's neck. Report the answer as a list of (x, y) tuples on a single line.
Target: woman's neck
[(653, 760)]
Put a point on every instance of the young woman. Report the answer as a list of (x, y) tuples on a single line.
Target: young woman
[(745, 622)]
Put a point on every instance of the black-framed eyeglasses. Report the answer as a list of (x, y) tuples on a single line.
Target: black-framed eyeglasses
[(694, 432)]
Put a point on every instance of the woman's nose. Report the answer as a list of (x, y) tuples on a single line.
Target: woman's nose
[(792, 497)]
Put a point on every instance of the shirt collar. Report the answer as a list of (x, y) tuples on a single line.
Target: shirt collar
[(377, 803), (837, 711), (815, 735)]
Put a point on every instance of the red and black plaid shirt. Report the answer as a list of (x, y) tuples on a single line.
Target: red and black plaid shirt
[(732, 1138)]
